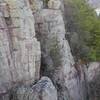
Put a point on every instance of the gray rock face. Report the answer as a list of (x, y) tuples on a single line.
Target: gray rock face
[(20, 55), (19, 49), (94, 81), (36, 5), (43, 90), (54, 4), (57, 61)]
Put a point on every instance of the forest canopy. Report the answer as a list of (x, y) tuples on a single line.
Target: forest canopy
[(82, 19)]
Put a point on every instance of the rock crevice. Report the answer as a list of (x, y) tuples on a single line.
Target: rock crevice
[(33, 45)]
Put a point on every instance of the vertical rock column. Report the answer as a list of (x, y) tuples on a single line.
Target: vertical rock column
[(6, 63), (57, 60), (25, 48), (93, 79), (19, 48)]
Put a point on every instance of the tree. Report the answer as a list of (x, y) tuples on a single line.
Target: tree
[(83, 20)]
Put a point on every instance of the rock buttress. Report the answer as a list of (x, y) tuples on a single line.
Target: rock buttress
[(19, 49), (57, 60)]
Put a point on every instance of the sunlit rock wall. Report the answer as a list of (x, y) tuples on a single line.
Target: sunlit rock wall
[(19, 49)]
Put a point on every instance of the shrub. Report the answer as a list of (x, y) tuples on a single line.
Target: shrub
[(83, 20)]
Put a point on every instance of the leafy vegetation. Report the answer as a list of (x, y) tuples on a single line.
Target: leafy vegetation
[(45, 2), (83, 20)]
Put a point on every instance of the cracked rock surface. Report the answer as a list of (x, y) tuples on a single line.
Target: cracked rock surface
[(19, 49), (36, 62)]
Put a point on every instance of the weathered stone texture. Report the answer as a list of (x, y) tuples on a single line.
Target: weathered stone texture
[(42, 90), (57, 61), (5, 57), (54, 4), (20, 55), (36, 5), (19, 49), (93, 77)]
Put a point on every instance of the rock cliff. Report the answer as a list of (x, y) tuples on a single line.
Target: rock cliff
[(19, 49), (36, 62)]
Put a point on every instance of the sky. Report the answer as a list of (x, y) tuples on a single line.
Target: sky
[(95, 3)]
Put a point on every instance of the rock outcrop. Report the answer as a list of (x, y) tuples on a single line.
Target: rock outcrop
[(19, 49), (33, 45), (36, 5), (54, 4), (57, 60), (93, 78), (43, 90)]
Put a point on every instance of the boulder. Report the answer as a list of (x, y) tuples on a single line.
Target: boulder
[(54, 4), (36, 5), (42, 90), (57, 60), (93, 77)]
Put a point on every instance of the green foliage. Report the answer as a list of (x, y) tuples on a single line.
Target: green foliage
[(94, 42), (87, 25), (45, 2)]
